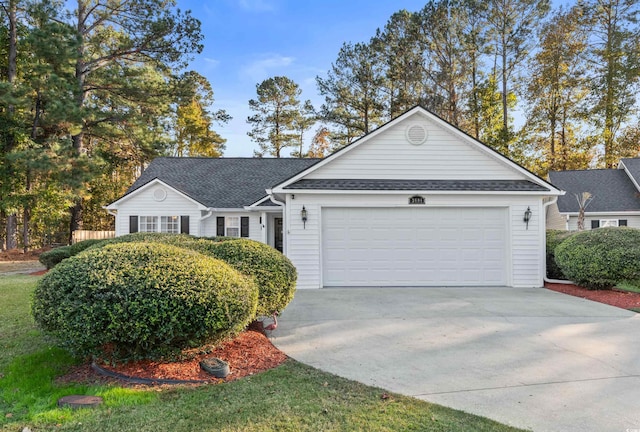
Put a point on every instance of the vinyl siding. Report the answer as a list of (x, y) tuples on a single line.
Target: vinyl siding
[(632, 221), (209, 228), (143, 204), (524, 249), (554, 219), (443, 156)]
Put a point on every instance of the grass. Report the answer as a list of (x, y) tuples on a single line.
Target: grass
[(292, 397), (631, 286)]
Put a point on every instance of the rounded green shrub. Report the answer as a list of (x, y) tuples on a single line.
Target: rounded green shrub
[(142, 300), (273, 273), (554, 239), (600, 258), (51, 258)]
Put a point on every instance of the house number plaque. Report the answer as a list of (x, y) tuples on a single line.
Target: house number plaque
[(416, 200)]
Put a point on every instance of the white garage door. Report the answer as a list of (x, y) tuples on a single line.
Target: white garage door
[(414, 246)]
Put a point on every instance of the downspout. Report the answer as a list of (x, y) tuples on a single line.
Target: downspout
[(545, 278), (208, 215), (111, 212)]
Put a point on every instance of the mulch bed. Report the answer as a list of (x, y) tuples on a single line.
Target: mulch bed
[(249, 353), (621, 299), (20, 255), (252, 352)]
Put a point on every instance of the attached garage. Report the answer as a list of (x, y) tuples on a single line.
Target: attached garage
[(414, 246), (416, 202)]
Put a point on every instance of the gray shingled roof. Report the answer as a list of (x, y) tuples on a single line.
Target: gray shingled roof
[(419, 185), (222, 182), (611, 188), (633, 166)]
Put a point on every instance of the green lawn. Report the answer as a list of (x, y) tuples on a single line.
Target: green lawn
[(292, 397), (632, 286)]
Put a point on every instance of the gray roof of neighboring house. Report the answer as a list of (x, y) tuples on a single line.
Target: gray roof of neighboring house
[(222, 182), (418, 185), (633, 166), (612, 190)]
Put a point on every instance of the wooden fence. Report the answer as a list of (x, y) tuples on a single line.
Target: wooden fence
[(81, 235)]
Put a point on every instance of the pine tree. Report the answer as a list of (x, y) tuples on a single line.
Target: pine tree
[(615, 66), (277, 109), (352, 92), (556, 92), (512, 25)]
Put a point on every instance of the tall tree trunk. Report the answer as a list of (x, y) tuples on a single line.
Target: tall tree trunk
[(505, 115), (78, 140), (12, 219)]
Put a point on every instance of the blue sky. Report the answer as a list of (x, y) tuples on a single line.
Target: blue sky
[(248, 41)]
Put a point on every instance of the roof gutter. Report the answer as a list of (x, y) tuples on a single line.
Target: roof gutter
[(111, 212), (544, 277)]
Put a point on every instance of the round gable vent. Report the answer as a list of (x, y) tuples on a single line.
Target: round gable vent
[(416, 134), (159, 194)]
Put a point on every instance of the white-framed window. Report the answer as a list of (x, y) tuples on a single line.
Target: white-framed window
[(163, 224), (232, 226), (170, 224), (148, 224), (608, 223)]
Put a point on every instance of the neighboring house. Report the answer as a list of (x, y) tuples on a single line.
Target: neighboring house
[(416, 202), (615, 197)]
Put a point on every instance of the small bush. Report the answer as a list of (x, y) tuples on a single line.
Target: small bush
[(555, 238), (600, 258), (142, 300), (273, 273), (50, 258)]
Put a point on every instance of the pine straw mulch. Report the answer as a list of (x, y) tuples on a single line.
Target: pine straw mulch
[(249, 353), (617, 298), (20, 255)]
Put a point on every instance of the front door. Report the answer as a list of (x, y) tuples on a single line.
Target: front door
[(277, 233)]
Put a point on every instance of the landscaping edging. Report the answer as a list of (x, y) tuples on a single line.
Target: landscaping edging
[(146, 381)]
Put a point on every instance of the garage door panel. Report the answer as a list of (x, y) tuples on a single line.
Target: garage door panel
[(414, 247)]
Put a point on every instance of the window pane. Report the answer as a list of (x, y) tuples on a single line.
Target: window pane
[(232, 226), (148, 224), (170, 224)]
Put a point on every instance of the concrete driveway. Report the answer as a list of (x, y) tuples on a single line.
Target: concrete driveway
[(530, 358)]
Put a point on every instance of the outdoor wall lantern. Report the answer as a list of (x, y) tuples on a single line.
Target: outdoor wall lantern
[(303, 215), (527, 216)]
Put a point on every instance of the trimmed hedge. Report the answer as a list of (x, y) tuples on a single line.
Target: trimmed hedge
[(554, 239), (142, 300), (54, 256), (601, 258), (273, 273)]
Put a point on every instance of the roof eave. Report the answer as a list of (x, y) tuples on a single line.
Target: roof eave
[(415, 191), (153, 182)]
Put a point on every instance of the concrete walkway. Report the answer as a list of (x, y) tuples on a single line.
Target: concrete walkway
[(530, 358)]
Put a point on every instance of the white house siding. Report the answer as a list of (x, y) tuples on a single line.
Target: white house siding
[(444, 156), (633, 221), (209, 228), (524, 261), (144, 204), (554, 219)]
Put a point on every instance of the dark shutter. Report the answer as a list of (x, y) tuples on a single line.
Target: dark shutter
[(622, 222), (184, 224), (595, 224), (244, 226), (220, 226), (133, 224)]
